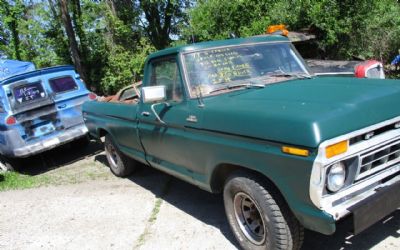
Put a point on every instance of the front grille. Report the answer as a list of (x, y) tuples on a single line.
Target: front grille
[(378, 159)]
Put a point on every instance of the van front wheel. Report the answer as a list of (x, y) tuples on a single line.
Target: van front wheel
[(258, 216), (9, 164)]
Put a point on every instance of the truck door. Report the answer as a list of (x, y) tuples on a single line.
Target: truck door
[(165, 144)]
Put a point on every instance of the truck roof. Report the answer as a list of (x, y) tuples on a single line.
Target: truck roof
[(219, 43), (36, 73)]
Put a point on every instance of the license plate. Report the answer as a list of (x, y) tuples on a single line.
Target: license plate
[(51, 142), (43, 130)]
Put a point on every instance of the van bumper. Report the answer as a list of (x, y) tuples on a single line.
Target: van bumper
[(15, 147)]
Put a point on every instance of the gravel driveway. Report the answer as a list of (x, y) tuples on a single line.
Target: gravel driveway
[(149, 210)]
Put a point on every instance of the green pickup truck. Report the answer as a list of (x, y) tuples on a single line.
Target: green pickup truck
[(244, 117)]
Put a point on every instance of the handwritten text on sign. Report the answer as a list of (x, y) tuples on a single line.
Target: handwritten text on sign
[(222, 65)]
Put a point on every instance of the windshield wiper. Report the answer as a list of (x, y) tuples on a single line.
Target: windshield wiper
[(290, 74), (236, 86)]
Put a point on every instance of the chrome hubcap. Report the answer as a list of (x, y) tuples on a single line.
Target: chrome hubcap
[(249, 218), (112, 155)]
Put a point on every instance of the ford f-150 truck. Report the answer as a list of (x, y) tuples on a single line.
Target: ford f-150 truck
[(244, 117)]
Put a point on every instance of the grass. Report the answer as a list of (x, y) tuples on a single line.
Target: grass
[(71, 174), (14, 180)]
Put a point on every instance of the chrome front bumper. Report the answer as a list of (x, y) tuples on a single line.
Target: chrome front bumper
[(341, 205)]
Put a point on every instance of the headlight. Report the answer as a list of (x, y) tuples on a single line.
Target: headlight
[(336, 177)]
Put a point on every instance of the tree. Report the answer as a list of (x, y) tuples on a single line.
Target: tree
[(162, 19), (11, 13), (55, 35), (71, 38)]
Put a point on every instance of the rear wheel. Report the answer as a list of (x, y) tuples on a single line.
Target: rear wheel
[(258, 216), (120, 164)]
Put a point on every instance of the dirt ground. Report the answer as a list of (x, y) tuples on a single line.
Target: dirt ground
[(86, 207)]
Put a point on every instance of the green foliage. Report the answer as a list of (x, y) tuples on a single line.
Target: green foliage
[(220, 19), (114, 37), (128, 65), (345, 28)]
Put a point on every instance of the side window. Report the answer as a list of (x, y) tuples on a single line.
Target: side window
[(1, 107), (63, 84), (166, 72)]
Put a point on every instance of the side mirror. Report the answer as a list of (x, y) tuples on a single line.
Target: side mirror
[(153, 94)]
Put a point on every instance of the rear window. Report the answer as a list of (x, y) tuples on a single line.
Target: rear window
[(127, 94), (63, 84), (28, 92)]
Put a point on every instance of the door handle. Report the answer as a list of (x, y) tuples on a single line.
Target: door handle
[(145, 113), (62, 106)]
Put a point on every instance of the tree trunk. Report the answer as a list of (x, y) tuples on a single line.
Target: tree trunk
[(15, 38), (159, 24), (77, 21), (72, 39)]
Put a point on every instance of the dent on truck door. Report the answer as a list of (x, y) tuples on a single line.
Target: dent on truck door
[(165, 144)]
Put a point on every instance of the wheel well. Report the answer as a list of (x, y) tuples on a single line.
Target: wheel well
[(223, 171), (101, 132)]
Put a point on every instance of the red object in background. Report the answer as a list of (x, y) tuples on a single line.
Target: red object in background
[(369, 69), (92, 96)]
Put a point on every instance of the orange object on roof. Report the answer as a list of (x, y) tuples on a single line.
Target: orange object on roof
[(277, 29)]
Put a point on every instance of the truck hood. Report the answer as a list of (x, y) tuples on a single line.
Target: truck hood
[(303, 112)]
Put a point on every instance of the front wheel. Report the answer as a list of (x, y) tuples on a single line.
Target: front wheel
[(258, 216), (120, 164), (10, 164)]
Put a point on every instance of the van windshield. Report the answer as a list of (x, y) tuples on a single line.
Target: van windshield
[(257, 64)]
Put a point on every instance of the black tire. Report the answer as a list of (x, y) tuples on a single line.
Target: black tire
[(120, 164), (10, 164), (258, 216)]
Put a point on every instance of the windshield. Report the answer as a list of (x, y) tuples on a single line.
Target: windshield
[(213, 70)]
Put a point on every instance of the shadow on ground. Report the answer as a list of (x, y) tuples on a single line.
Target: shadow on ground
[(343, 239), (202, 205), (209, 208), (59, 157)]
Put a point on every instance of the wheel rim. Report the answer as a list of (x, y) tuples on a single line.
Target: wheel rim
[(112, 155), (249, 218)]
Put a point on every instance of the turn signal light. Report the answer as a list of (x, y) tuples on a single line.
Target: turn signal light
[(295, 151), (336, 149), (11, 120)]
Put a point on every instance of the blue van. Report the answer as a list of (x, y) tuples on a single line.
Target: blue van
[(40, 110)]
